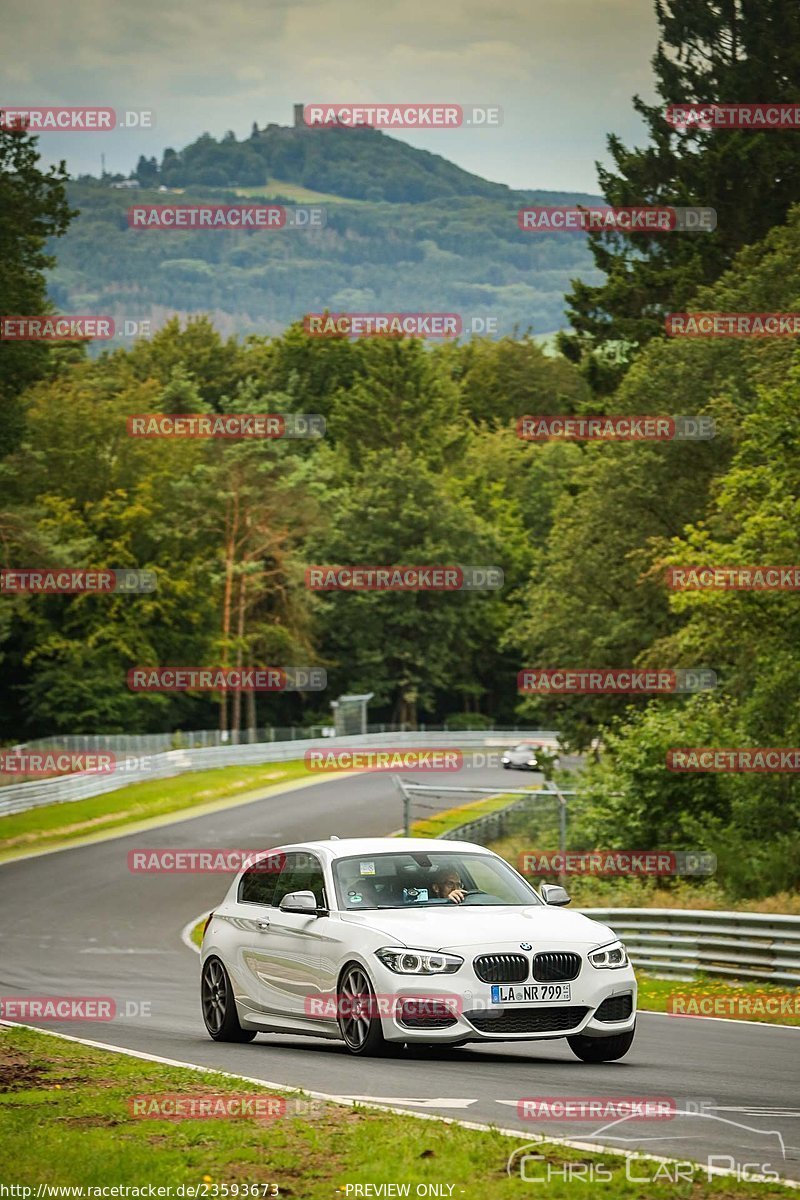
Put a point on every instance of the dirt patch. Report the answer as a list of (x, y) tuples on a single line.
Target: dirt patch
[(17, 1074)]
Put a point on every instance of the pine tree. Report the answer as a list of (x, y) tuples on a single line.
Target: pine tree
[(716, 50)]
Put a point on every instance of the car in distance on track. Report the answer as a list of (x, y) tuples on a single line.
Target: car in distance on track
[(523, 757), (385, 941)]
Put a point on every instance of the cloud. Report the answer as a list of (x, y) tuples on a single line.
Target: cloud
[(563, 74)]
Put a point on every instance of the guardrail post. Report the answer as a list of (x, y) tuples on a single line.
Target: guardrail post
[(398, 783)]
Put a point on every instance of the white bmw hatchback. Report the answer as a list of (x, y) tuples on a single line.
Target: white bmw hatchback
[(385, 941)]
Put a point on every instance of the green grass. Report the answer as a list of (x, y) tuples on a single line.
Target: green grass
[(65, 1120), (451, 818), (60, 824), (654, 995), (292, 191)]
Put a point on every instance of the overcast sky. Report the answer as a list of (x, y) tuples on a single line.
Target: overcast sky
[(563, 72)]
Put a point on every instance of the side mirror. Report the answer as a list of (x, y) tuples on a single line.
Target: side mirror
[(553, 893), (300, 902)]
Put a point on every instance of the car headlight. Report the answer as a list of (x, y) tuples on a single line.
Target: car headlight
[(505, 758), (418, 962), (610, 957), (531, 762)]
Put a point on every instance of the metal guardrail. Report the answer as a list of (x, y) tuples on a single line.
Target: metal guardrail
[(682, 943), (19, 797), (494, 825), (193, 739), (685, 942)]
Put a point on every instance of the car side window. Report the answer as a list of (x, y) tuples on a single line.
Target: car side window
[(301, 873), (309, 877), (257, 886)]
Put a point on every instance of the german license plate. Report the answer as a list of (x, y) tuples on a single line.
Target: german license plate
[(535, 993)]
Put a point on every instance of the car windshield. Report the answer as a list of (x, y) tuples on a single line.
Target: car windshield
[(417, 879), (524, 746)]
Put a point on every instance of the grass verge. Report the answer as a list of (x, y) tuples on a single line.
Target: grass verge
[(751, 998), (60, 824), (66, 1120), (451, 818)]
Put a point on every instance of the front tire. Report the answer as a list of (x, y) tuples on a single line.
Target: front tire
[(219, 1006), (601, 1049), (361, 1032)]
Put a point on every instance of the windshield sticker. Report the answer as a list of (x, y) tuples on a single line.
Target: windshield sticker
[(367, 868)]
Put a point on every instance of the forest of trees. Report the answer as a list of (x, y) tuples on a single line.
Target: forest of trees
[(362, 164), (464, 255), (422, 464)]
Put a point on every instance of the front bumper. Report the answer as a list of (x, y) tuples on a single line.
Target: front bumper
[(476, 1019)]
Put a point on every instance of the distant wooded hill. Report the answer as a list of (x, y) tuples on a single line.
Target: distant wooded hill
[(406, 230)]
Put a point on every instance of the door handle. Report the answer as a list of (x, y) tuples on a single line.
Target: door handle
[(262, 925)]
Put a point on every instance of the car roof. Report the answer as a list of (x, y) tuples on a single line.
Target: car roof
[(346, 847)]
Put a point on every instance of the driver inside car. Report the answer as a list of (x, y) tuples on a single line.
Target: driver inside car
[(447, 885)]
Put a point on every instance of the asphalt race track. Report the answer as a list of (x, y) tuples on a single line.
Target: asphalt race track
[(77, 922)]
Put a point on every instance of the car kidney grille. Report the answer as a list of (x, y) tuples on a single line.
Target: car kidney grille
[(501, 968), (528, 1020), (556, 966)]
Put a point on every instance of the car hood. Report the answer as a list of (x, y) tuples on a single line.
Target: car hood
[(457, 926)]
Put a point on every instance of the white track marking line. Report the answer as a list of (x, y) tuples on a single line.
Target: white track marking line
[(186, 932), (517, 1134)]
